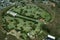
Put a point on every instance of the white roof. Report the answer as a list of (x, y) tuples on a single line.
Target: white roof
[(12, 13), (51, 36)]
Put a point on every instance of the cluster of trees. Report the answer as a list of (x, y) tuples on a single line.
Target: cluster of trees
[(27, 27), (32, 11)]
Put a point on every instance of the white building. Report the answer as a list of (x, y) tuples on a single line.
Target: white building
[(50, 37)]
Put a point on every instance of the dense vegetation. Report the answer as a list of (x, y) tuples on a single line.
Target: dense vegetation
[(11, 22), (23, 22), (32, 11)]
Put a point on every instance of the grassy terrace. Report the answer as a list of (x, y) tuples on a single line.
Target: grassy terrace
[(27, 22)]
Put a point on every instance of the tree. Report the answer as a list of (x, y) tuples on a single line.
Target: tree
[(2, 12)]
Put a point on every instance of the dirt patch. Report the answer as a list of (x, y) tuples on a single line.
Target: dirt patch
[(54, 27)]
